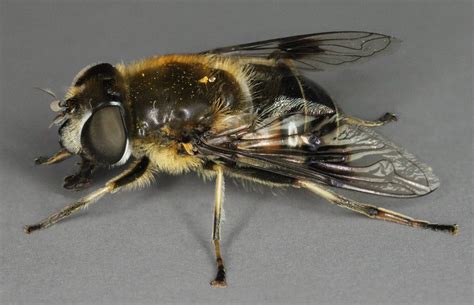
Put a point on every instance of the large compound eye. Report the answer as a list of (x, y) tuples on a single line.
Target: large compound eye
[(104, 135)]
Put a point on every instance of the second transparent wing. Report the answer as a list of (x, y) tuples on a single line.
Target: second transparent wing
[(319, 51)]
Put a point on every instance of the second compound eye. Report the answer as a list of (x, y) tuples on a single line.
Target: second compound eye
[(104, 136)]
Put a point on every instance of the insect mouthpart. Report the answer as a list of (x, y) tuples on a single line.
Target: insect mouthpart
[(64, 108), (58, 120)]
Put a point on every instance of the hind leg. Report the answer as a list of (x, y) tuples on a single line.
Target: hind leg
[(373, 211), (384, 119)]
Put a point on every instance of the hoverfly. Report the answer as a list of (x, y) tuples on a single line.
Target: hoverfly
[(242, 111)]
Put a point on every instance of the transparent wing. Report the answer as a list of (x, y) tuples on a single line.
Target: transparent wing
[(325, 149), (320, 51)]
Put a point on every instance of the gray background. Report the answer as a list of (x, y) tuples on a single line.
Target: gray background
[(153, 246)]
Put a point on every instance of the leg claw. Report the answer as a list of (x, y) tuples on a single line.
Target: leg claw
[(451, 229), (220, 280), (76, 182), (219, 283), (41, 160), (29, 229), (388, 117)]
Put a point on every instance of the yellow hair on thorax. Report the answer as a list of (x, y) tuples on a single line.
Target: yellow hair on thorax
[(167, 158), (235, 66)]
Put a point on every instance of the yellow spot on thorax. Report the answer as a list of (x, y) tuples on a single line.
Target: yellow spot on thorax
[(188, 147), (204, 80)]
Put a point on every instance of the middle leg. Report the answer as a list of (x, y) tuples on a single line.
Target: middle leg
[(220, 280)]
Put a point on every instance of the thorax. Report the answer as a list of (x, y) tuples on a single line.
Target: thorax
[(177, 97)]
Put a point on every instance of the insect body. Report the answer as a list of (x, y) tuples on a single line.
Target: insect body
[(243, 111)]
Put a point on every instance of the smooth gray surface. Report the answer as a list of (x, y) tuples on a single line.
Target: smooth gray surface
[(153, 246)]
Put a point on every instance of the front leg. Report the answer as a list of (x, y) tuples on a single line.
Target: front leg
[(76, 182), (56, 158), (138, 174), (81, 179)]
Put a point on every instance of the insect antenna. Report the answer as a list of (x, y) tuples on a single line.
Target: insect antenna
[(47, 91), (56, 103)]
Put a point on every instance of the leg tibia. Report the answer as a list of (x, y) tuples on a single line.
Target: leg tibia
[(56, 158), (220, 279)]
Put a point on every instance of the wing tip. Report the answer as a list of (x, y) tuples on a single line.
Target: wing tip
[(395, 43), (432, 179)]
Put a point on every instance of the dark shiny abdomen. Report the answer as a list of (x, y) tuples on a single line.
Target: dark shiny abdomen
[(315, 93), (274, 83)]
